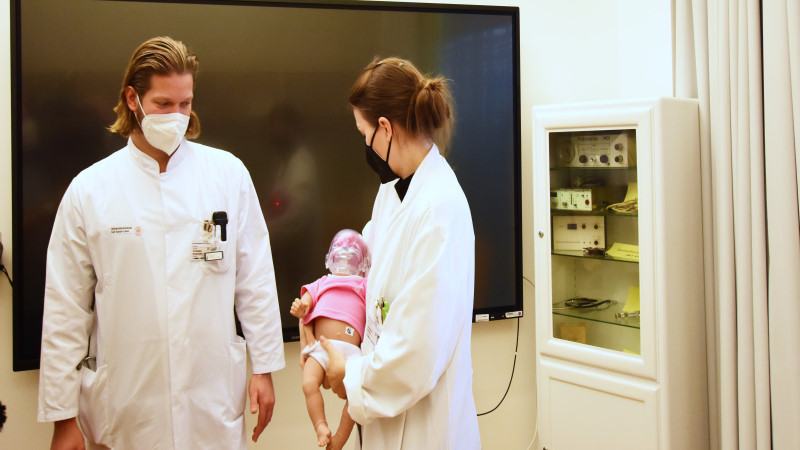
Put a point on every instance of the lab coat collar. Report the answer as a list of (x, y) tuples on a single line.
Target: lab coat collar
[(427, 164), (148, 164)]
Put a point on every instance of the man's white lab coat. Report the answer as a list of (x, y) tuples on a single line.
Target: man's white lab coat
[(413, 390), (170, 369)]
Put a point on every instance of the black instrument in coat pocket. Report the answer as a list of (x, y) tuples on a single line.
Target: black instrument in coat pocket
[(221, 218)]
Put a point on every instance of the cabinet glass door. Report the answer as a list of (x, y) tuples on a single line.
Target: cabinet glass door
[(595, 238)]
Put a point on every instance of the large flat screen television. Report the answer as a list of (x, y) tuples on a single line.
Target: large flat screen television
[(272, 89)]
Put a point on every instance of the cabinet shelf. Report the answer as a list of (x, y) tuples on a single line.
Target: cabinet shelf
[(603, 316), (579, 254), (592, 169), (595, 212)]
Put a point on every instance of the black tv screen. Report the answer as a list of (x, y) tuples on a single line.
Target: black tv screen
[(272, 90)]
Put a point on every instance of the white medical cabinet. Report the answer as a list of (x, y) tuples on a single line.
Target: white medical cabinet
[(621, 352)]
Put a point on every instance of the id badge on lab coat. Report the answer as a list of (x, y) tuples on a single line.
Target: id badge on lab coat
[(372, 330), (204, 246), (205, 251)]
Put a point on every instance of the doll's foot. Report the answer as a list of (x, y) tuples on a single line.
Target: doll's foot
[(337, 442), (323, 434)]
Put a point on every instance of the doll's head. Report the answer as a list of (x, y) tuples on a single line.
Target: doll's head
[(348, 254)]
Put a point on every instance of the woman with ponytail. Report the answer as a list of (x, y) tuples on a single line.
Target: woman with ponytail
[(411, 388)]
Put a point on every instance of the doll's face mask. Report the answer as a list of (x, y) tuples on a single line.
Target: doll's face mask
[(348, 254)]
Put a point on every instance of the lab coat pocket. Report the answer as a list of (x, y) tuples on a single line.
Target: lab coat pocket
[(220, 260), (238, 376), (93, 410)]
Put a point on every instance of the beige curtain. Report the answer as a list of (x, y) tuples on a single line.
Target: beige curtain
[(750, 196), (782, 143)]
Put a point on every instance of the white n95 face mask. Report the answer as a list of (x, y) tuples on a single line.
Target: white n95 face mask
[(164, 131)]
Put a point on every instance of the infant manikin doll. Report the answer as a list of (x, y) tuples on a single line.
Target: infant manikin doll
[(332, 306)]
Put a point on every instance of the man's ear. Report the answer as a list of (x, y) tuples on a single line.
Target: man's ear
[(130, 98)]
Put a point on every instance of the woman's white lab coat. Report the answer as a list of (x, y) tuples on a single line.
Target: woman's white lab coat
[(413, 390), (170, 369)]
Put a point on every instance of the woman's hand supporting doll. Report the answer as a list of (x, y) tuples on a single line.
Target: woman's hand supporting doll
[(336, 368)]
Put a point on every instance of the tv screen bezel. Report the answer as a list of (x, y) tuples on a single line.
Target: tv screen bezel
[(513, 309)]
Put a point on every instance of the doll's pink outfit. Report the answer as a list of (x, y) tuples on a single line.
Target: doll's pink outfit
[(338, 297)]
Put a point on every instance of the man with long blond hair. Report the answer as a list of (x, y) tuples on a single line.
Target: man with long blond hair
[(153, 249)]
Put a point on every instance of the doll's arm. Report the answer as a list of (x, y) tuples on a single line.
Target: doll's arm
[(303, 340), (303, 344), (306, 331), (301, 306)]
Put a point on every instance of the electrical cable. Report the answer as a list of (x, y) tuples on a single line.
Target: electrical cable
[(3, 269), (535, 433), (513, 366), (629, 207), (583, 303), (536, 429)]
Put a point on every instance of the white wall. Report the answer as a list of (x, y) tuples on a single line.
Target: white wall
[(571, 50)]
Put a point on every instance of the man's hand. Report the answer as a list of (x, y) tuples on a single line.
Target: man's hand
[(67, 436), (336, 367), (262, 401), (301, 306)]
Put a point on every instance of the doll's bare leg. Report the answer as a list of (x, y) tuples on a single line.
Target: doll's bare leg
[(313, 373), (343, 432)]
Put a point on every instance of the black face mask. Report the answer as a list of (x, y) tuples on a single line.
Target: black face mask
[(377, 164)]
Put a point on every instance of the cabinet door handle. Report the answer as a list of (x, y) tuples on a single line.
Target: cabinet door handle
[(541, 235)]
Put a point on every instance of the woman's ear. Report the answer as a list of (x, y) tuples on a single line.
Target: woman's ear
[(384, 122)]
